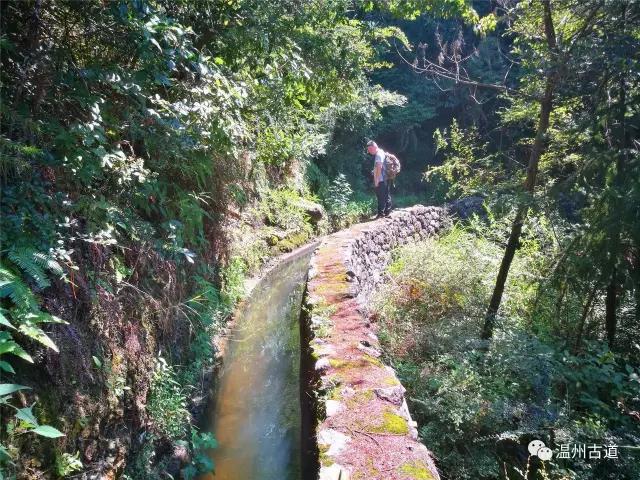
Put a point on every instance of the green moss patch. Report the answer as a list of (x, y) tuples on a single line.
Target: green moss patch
[(364, 361), (293, 241), (360, 397), (391, 423), (325, 460), (324, 309), (332, 288), (370, 471), (391, 381), (416, 470), (372, 360), (334, 393)]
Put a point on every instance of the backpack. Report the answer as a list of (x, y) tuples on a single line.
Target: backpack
[(392, 166)]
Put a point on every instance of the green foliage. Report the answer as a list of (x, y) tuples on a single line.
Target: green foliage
[(478, 403), (438, 8), (33, 264), (282, 209), (128, 132), (337, 200), (440, 290), (23, 317), (201, 444), (145, 466), (141, 465), (167, 402), (133, 132), (467, 168), (24, 421), (210, 312), (67, 464), (233, 277)]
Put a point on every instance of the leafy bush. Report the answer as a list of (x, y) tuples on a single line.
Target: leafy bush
[(67, 464), (345, 205), (467, 169), (438, 290), (167, 402), (337, 200), (201, 462), (282, 208)]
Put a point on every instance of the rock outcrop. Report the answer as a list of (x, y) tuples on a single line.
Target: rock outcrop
[(466, 207), (364, 429)]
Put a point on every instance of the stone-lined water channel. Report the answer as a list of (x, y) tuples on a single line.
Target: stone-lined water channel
[(256, 412)]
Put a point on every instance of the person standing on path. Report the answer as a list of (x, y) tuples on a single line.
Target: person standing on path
[(380, 180)]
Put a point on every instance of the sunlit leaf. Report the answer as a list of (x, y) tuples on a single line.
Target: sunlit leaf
[(27, 415), (6, 366), (37, 334), (8, 388), (5, 321), (47, 431)]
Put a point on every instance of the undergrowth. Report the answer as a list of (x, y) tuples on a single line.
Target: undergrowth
[(479, 404)]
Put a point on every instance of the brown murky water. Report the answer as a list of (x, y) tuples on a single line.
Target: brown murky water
[(256, 416)]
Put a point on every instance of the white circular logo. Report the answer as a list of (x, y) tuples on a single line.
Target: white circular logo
[(545, 454), (534, 446), (537, 448)]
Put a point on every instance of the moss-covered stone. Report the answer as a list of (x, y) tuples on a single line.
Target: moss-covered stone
[(293, 241), (391, 381), (370, 471), (325, 460), (360, 397), (372, 360), (324, 309), (332, 284), (416, 470), (363, 361), (391, 423), (339, 363)]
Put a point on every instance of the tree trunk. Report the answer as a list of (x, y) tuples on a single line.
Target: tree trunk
[(546, 106), (560, 300), (583, 318), (611, 303), (619, 134)]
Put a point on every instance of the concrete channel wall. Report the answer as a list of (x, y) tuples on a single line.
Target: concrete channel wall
[(363, 427)]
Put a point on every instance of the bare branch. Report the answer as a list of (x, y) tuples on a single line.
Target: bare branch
[(431, 68)]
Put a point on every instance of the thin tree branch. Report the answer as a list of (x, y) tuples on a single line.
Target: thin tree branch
[(442, 72)]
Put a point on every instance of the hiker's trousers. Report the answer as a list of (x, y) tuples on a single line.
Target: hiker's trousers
[(383, 192)]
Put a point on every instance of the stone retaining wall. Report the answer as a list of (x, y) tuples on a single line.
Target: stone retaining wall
[(364, 429)]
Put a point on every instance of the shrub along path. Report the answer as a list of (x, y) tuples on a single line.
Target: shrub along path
[(367, 432)]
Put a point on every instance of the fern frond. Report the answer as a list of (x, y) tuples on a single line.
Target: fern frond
[(38, 335), (48, 263), (13, 287), (23, 258), (34, 265)]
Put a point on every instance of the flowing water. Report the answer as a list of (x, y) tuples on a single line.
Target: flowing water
[(256, 415)]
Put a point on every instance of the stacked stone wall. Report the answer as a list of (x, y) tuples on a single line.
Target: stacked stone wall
[(371, 247)]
